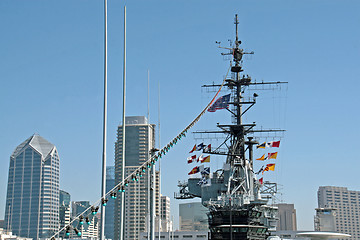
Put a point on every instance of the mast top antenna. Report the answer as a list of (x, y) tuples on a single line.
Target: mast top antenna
[(236, 22)]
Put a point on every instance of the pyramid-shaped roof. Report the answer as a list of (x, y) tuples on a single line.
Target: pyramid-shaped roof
[(38, 143)]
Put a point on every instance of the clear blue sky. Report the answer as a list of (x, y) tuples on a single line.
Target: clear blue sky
[(51, 75)]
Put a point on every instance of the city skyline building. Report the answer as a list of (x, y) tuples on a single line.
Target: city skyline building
[(347, 205), (324, 220), (87, 230), (32, 201), (139, 141), (91, 231), (77, 207), (110, 207), (64, 208), (287, 217), (64, 198), (193, 217), (166, 223)]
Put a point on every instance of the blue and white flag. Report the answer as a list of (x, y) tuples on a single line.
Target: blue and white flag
[(206, 171), (220, 103), (200, 147), (204, 182)]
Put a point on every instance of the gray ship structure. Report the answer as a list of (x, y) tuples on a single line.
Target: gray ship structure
[(238, 203)]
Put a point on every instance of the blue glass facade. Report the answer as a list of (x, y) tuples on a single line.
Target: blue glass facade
[(109, 211), (32, 201)]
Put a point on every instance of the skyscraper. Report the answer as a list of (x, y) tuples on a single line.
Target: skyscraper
[(166, 223), (109, 212), (193, 217), (324, 220), (139, 140), (77, 207), (64, 208), (32, 201), (347, 205), (287, 217)]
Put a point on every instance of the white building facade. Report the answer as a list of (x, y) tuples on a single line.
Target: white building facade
[(347, 205)]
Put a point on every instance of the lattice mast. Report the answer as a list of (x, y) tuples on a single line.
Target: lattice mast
[(240, 179)]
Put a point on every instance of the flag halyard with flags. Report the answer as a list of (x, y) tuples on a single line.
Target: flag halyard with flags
[(205, 159), (261, 169), (194, 170), (206, 171), (205, 177), (193, 149), (221, 103), (272, 155), (262, 158), (269, 167), (191, 159), (200, 147), (207, 149), (263, 145), (261, 181), (269, 144), (273, 144)]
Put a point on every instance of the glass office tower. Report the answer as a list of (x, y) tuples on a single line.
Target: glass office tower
[(32, 201), (139, 140), (109, 212)]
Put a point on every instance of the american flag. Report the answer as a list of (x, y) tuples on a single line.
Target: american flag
[(220, 103)]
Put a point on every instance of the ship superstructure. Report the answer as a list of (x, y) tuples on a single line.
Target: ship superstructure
[(233, 195)]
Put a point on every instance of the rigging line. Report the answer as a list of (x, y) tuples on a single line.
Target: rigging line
[(153, 158)]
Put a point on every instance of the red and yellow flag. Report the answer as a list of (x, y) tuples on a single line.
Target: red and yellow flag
[(193, 149), (272, 155), (194, 170), (269, 167), (205, 159)]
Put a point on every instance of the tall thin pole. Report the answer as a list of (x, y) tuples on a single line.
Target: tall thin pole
[(148, 95), (160, 211), (103, 185), (123, 136), (149, 174), (152, 202)]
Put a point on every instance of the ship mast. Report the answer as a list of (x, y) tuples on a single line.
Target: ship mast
[(236, 209), (237, 160)]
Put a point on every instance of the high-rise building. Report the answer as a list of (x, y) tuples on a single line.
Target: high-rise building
[(87, 230), (2, 224), (65, 198), (166, 224), (287, 217), (109, 211), (64, 208), (139, 141), (90, 231), (324, 220), (347, 205), (193, 217), (77, 207), (32, 201)]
